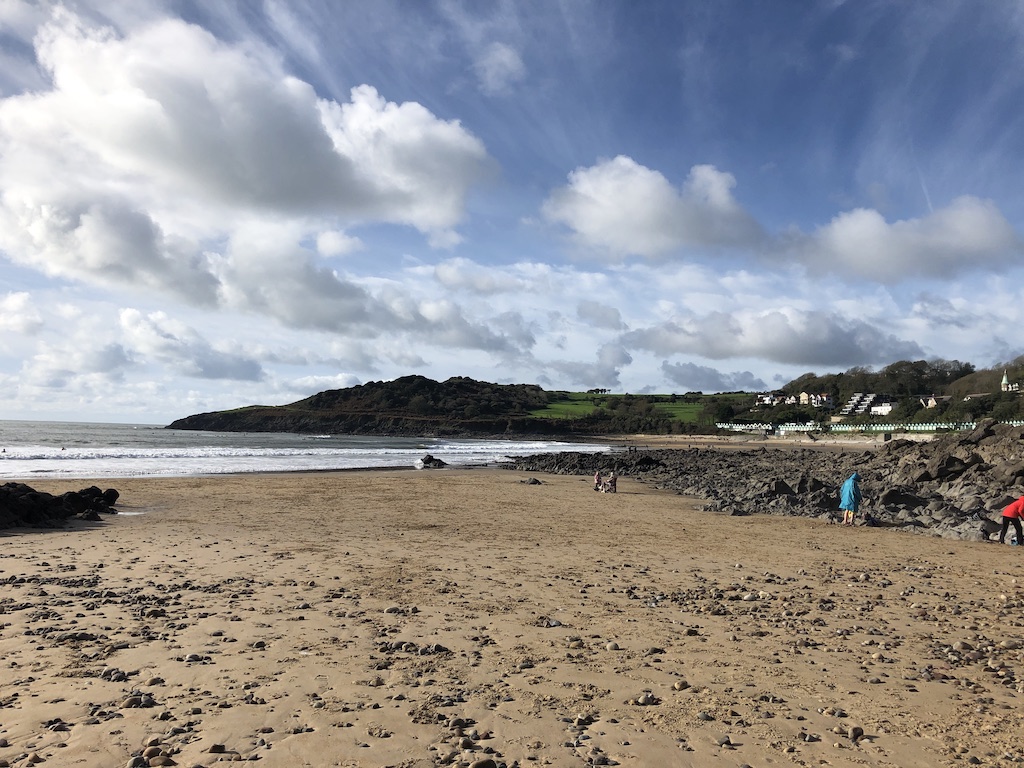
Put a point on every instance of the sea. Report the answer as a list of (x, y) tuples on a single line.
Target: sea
[(72, 450)]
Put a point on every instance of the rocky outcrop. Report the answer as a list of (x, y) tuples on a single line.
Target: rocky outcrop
[(21, 506), (953, 486), (431, 462)]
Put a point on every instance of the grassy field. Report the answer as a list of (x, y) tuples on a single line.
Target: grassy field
[(575, 405), (570, 405)]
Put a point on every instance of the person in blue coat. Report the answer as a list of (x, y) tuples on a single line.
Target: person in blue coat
[(849, 498)]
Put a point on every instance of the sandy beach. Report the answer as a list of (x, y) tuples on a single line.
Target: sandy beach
[(469, 617)]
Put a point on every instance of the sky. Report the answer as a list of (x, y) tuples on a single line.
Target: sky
[(205, 205)]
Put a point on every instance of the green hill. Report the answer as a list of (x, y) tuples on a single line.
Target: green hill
[(418, 406), (463, 407)]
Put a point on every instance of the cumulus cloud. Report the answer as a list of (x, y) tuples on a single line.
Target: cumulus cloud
[(334, 243), (149, 155), (464, 275), (77, 363), (942, 311), (263, 271), (449, 328), (787, 336), (18, 314), (625, 209), (498, 67), (599, 315), (103, 240), (311, 385), (604, 372), (968, 234), (410, 166), (702, 378), (158, 337)]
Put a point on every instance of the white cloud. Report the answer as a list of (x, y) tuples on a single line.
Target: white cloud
[(104, 241), (306, 386), (604, 372), (449, 328), (623, 208), (787, 336), (412, 167), (967, 235), (498, 68), (464, 275), (156, 336), (79, 364), (18, 314), (153, 154), (334, 243)]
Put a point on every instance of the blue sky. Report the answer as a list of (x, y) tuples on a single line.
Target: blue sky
[(208, 205)]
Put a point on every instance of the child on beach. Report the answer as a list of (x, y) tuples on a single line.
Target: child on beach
[(597, 480), (1013, 513), (849, 498)]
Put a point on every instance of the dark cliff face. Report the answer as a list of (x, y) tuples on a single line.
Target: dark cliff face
[(409, 406)]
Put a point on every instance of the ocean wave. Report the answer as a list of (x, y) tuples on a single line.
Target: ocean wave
[(91, 450)]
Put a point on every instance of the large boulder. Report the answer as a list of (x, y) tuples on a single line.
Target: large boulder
[(21, 506)]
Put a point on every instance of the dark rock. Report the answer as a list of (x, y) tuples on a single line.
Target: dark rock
[(21, 506), (429, 462)]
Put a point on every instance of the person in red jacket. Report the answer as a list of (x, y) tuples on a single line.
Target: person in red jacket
[(1013, 514)]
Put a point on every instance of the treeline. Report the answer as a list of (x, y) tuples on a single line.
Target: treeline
[(417, 396), (961, 393), (901, 379)]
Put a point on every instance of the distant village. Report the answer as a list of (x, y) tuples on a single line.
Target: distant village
[(861, 403)]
